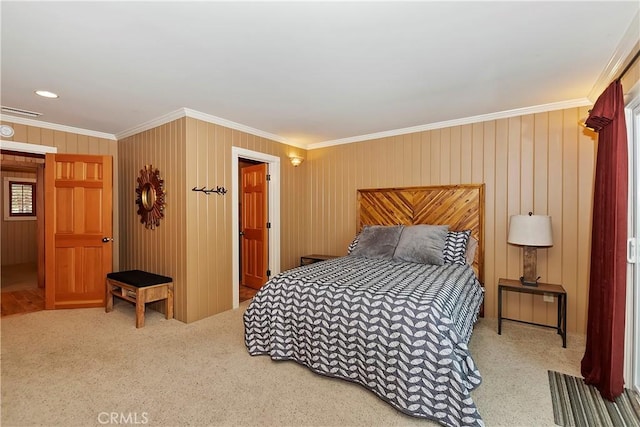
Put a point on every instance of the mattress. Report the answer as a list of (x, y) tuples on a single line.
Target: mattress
[(399, 329)]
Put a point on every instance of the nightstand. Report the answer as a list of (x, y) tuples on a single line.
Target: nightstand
[(310, 259), (557, 291)]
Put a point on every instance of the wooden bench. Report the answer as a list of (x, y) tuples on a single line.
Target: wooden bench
[(139, 287)]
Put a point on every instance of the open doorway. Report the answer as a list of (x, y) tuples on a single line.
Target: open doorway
[(21, 190), (273, 207), (31, 157), (253, 248)]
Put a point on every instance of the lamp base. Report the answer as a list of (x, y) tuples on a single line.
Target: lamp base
[(529, 282), (530, 259)]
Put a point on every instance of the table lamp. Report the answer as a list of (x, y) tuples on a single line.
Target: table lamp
[(530, 231)]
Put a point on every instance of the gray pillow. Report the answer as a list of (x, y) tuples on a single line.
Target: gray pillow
[(378, 241), (422, 244)]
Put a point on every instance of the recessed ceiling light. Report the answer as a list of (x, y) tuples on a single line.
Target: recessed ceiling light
[(46, 94)]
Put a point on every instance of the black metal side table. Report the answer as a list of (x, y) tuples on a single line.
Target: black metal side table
[(310, 259), (542, 289)]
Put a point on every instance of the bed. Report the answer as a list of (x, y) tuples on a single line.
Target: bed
[(397, 325)]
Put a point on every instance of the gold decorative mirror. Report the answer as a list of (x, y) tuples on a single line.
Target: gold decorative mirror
[(150, 197)]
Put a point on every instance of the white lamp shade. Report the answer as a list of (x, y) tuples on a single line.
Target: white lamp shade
[(530, 230)]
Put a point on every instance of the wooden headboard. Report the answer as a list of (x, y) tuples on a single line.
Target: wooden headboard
[(459, 206)]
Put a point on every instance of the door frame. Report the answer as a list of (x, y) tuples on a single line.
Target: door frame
[(273, 213), (632, 315), (23, 147)]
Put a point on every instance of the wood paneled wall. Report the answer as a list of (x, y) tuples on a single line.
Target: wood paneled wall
[(72, 143), (193, 242), (19, 238), (163, 249), (542, 163)]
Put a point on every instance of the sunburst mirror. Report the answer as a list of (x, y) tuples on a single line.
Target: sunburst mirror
[(150, 197)]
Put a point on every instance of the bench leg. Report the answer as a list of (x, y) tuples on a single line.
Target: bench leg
[(140, 303), (170, 301), (109, 299)]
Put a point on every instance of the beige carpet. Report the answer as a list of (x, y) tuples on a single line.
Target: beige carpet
[(81, 367)]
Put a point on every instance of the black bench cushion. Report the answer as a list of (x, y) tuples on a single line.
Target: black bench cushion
[(139, 278)]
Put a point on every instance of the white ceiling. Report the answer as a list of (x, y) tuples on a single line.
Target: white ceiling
[(308, 72)]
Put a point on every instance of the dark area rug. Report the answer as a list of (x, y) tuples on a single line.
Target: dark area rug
[(577, 404)]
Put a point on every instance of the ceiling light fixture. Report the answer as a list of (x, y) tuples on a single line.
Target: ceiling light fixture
[(46, 94)]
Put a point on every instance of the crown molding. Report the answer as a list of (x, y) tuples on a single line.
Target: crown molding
[(154, 123), (457, 122), (55, 126), (628, 45), (238, 126), (187, 112)]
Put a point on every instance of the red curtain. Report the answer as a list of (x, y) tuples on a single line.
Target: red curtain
[(602, 364)]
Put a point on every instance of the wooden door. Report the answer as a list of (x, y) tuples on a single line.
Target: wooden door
[(254, 226), (78, 229)]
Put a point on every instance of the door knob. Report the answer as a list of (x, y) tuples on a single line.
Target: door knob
[(242, 233), (107, 239)]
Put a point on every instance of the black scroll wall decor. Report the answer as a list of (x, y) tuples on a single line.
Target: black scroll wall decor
[(218, 190)]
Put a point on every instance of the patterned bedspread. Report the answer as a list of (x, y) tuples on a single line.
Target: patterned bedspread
[(399, 329)]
